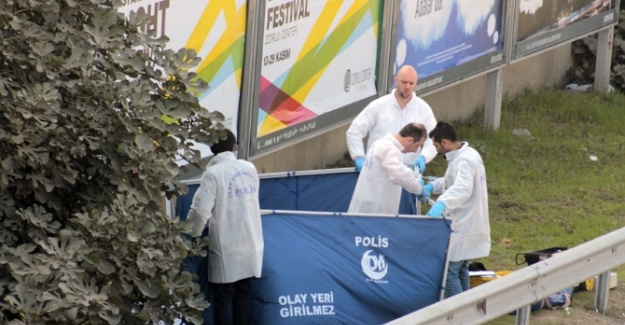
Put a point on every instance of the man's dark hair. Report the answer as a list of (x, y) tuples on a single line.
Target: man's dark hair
[(226, 144), (414, 130), (444, 131)]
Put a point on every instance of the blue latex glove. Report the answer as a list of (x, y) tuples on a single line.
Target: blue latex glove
[(420, 162), (359, 162), (427, 190), (437, 209)]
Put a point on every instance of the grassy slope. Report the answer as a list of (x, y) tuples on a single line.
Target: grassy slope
[(546, 191)]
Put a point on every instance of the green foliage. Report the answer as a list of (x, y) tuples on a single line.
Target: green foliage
[(86, 159), (585, 56), (345, 161)]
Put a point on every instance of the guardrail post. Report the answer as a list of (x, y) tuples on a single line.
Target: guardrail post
[(602, 292), (523, 315)]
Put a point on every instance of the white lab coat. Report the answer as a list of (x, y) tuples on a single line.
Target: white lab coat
[(384, 115), (378, 189), (463, 191), (228, 199)]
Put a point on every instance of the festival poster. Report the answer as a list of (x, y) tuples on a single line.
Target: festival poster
[(215, 29), (317, 57), (542, 24), (436, 36)]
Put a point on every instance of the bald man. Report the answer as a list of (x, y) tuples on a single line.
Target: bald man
[(388, 114)]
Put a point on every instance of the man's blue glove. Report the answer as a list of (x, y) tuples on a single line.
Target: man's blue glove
[(420, 162), (427, 190), (359, 162), (437, 209)]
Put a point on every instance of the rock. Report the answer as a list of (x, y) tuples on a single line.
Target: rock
[(522, 133)]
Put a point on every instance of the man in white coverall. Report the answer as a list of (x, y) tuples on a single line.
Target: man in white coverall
[(378, 189), (388, 114), (464, 196), (228, 200)]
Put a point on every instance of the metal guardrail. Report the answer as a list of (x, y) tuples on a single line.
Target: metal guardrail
[(521, 288)]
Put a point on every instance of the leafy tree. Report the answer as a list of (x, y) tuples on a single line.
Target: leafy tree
[(85, 159)]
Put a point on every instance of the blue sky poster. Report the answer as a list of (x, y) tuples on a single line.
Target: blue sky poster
[(436, 35)]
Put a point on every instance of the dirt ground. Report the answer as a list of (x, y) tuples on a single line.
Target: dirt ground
[(582, 310)]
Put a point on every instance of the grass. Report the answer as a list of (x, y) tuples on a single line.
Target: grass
[(547, 190)]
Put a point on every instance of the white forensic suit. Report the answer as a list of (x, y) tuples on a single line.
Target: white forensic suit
[(228, 199), (463, 191), (378, 189), (384, 115)]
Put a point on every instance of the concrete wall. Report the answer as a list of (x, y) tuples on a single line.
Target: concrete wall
[(315, 153), (455, 103)]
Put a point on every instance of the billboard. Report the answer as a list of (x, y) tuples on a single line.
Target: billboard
[(317, 57), (447, 40), (541, 24), (215, 29)]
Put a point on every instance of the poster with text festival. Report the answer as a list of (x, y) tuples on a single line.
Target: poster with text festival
[(317, 57)]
